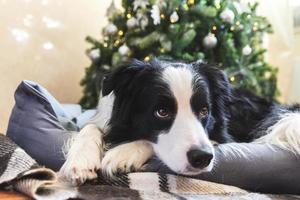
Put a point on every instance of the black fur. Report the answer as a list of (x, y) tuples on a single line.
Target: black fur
[(234, 115)]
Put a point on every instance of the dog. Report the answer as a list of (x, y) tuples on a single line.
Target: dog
[(173, 110)]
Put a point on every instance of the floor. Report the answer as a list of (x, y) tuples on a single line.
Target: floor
[(4, 195)]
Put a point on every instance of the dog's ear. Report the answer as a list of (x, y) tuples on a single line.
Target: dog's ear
[(220, 93), (216, 78), (120, 78)]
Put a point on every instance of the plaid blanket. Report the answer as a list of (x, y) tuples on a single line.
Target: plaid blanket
[(20, 172)]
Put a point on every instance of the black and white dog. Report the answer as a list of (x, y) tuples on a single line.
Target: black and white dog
[(174, 110)]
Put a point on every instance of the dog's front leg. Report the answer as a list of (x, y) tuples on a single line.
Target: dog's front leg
[(127, 157), (84, 155)]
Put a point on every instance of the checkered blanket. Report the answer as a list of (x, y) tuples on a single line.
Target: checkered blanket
[(20, 172)]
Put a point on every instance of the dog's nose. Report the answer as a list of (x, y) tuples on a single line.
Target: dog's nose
[(199, 158)]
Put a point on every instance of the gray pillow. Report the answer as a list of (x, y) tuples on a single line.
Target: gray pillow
[(40, 125)]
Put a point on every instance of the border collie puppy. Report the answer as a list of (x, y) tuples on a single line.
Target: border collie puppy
[(173, 110)]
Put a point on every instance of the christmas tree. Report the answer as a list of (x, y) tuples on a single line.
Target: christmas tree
[(225, 32)]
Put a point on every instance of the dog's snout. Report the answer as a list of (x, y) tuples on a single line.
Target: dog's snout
[(199, 158)]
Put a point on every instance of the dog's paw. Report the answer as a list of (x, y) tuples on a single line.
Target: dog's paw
[(79, 169), (126, 157)]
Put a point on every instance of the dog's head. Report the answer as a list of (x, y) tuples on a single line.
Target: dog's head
[(176, 106)]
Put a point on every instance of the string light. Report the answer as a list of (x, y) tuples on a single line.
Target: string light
[(214, 28), (191, 2), (128, 16), (238, 23), (254, 28), (248, 16), (105, 44), (162, 50), (185, 6), (117, 42), (120, 33), (162, 16), (217, 4), (232, 28), (232, 78), (147, 58)]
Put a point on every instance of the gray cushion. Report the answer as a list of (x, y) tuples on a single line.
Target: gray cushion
[(40, 125)]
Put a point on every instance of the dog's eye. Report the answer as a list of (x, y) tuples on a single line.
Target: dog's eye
[(203, 112), (162, 113)]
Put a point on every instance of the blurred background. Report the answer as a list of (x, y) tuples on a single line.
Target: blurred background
[(44, 41)]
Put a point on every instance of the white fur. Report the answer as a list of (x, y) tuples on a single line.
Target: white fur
[(127, 157), (84, 156), (186, 131), (285, 133), (104, 112)]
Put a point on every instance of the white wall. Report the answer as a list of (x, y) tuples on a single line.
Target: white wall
[(44, 41)]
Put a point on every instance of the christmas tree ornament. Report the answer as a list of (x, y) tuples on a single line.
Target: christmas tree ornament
[(111, 29), (174, 17), (223, 32), (143, 20), (161, 3), (242, 6), (124, 50), (210, 41), (155, 14), (94, 54), (132, 22), (112, 10), (247, 50), (227, 15), (140, 4)]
